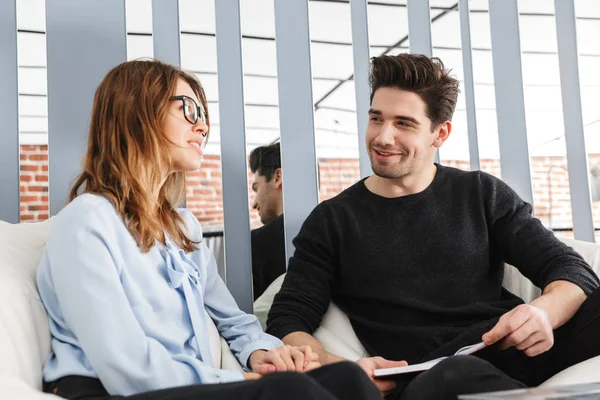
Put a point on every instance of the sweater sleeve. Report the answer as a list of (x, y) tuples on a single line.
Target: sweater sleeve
[(306, 291), (521, 240)]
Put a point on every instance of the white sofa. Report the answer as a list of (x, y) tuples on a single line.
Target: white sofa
[(25, 337)]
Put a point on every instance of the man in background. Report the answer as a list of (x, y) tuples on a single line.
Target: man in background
[(268, 241)]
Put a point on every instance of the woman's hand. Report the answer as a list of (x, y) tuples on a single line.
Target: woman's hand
[(249, 376), (284, 358)]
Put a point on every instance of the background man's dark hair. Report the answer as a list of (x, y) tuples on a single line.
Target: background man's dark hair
[(266, 160), (422, 75)]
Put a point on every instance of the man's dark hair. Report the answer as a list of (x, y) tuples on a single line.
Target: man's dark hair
[(419, 74), (266, 160)]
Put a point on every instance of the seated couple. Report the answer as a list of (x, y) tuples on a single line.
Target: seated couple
[(413, 254)]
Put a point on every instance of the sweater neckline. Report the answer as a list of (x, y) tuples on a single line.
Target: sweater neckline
[(435, 183)]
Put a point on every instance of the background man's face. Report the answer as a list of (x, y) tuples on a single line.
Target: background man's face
[(399, 133), (268, 200)]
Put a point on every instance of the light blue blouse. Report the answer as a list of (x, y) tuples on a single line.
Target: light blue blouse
[(132, 319)]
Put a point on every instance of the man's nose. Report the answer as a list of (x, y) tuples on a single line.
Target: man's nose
[(386, 135)]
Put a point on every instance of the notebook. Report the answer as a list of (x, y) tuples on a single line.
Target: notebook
[(428, 364)]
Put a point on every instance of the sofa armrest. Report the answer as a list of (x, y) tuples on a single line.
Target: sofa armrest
[(587, 371)]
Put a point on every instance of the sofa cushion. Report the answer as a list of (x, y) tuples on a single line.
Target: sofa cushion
[(335, 332), (24, 332), (15, 389)]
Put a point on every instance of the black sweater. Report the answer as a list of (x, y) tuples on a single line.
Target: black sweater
[(268, 255), (420, 275)]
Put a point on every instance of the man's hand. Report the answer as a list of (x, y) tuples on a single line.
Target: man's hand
[(311, 360), (284, 358), (370, 364), (525, 327)]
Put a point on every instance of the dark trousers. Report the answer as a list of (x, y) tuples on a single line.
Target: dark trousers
[(336, 381), (493, 369)]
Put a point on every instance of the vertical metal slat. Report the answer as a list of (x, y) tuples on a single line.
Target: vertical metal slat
[(581, 203), (360, 51), (233, 153), (165, 31), (9, 114), (84, 40), (296, 114), (419, 33), (510, 104), (465, 34)]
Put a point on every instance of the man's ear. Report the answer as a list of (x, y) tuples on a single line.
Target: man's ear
[(442, 133), (278, 178)]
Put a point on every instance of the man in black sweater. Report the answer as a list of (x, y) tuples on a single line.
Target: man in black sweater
[(414, 256)]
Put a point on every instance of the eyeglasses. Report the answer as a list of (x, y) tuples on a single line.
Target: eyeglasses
[(191, 110)]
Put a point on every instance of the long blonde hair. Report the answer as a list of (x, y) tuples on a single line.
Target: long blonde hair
[(128, 153)]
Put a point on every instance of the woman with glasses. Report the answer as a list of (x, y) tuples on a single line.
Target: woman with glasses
[(129, 284)]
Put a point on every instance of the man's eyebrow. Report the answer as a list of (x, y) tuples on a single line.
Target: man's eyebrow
[(407, 118), (398, 117)]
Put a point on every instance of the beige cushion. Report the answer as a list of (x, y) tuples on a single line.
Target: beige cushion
[(24, 332), (329, 335), (262, 305), (335, 333), (338, 337)]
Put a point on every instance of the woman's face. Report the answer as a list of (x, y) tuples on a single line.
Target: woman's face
[(187, 139)]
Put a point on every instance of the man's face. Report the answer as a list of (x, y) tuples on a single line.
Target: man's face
[(269, 200), (400, 140)]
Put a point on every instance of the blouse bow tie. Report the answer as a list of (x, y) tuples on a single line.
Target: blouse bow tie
[(177, 267)]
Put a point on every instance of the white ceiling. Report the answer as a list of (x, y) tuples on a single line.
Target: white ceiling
[(332, 63)]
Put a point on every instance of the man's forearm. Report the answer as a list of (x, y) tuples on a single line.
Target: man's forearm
[(303, 338), (561, 300)]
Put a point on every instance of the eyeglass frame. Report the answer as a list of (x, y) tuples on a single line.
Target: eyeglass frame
[(201, 113)]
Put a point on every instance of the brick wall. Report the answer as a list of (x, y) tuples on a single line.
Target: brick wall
[(204, 193), (34, 183), (335, 175)]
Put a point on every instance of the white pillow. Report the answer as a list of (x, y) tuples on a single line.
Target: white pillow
[(262, 305), (24, 333), (335, 333)]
